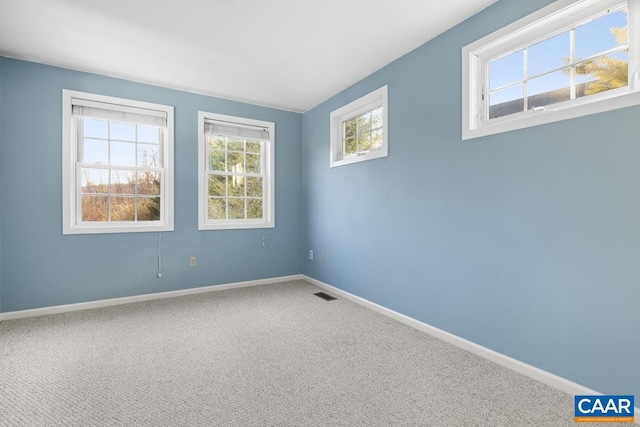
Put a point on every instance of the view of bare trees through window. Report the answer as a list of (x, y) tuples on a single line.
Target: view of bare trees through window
[(588, 59), (120, 171)]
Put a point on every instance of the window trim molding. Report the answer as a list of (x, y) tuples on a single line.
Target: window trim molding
[(532, 27), (70, 181), (269, 199), (378, 97)]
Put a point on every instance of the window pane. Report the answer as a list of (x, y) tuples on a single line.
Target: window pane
[(149, 155), (122, 131), (508, 69), (217, 209), (349, 128), (123, 209), (602, 34), (149, 183), (364, 123), (350, 147), (95, 128), (216, 142), (235, 144), (376, 139), (235, 162), (217, 185), (123, 153), (254, 208), (549, 54), (123, 182), (506, 101), (148, 134), (95, 180), (254, 187), (217, 161), (602, 74), (235, 186), (364, 142), (236, 208), (376, 118), (95, 151), (95, 208), (549, 89), (253, 163), (148, 208), (254, 146)]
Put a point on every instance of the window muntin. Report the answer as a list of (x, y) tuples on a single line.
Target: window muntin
[(571, 58), (359, 130), (117, 165), (236, 172)]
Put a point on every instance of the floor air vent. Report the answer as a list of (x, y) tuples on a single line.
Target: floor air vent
[(325, 297)]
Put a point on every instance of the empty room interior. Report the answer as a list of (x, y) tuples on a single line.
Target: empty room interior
[(319, 213)]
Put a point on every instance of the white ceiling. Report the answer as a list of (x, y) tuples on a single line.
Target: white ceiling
[(289, 54)]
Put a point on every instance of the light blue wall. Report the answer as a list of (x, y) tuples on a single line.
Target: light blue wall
[(1, 59), (527, 242), (41, 267)]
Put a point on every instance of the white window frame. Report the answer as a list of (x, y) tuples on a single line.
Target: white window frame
[(373, 100), (553, 19), (268, 164), (71, 179)]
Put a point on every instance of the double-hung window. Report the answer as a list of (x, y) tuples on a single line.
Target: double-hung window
[(236, 172), (569, 59), (117, 165)]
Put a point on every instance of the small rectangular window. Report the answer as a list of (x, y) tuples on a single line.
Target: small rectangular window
[(117, 165), (359, 129), (566, 60), (236, 160)]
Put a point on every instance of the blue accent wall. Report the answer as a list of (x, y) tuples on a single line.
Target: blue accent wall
[(527, 242), (1, 60), (42, 267)]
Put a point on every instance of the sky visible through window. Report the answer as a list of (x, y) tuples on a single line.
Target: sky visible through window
[(123, 137), (507, 75)]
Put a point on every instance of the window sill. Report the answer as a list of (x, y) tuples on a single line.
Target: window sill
[(107, 229), (360, 158), (554, 113), (229, 225)]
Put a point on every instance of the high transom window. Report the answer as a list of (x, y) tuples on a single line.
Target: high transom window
[(590, 58), (117, 164), (560, 62), (359, 129)]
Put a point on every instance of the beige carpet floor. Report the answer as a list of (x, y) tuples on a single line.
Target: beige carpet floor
[(273, 355)]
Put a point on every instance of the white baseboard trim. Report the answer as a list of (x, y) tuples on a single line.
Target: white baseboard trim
[(57, 309), (530, 371)]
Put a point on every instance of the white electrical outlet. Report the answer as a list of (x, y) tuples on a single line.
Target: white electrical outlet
[(323, 258), (310, 254), (193, 261)]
